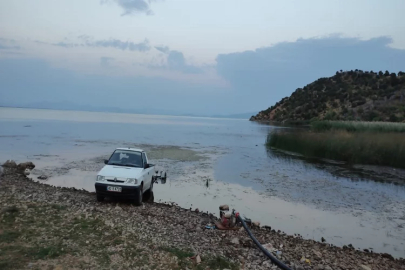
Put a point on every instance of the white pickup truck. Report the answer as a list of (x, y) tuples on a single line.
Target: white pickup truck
[(127, 174)]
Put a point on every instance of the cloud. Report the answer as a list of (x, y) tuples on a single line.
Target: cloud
[(67, 45), (106, 61), (115, 43), (131, 7), (8, 44), (163, 49), (257, 78), (176, 61), (110, 43), (266, 75)]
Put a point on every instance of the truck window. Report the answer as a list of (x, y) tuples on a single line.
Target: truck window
[(145, 160), (126, 158)]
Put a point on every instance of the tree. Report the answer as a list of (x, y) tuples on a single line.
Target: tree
[(394, 79), (345, 110), (380, 73), (393, 118), (387, 73), (371, 116)]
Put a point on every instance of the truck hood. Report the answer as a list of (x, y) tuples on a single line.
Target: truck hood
[(121, 172)]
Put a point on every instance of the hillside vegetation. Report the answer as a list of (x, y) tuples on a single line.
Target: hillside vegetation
[(352, 95)]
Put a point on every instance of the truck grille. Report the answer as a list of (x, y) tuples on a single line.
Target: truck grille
[(115, 180)]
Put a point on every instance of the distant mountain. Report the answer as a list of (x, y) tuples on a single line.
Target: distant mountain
[(236, 116), (351, 95), (70, 106)]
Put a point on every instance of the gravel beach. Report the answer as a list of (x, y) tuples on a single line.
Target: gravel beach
[(46, 227)]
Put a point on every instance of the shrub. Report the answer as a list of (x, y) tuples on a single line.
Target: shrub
[(330, 115), (354, 126), (386, 149), (393, 118)]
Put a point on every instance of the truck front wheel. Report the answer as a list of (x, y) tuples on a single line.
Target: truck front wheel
[(148, 197), (138, 199), (100, 198)]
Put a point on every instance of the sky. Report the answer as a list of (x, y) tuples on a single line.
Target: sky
[(188, 56)]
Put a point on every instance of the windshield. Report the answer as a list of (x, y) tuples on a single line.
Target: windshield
[(126, 158)]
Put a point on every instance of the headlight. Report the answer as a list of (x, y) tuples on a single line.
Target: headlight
[(100, 178), (132, 181)]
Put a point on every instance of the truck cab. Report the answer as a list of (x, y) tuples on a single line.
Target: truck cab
[(126, 174)]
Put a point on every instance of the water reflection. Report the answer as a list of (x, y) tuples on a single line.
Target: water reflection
[(342, 169)]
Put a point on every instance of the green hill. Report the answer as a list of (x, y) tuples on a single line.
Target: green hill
[(350, 95)]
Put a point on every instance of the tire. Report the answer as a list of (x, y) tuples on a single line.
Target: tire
[(100, 198), (138, 200), (148, 194)]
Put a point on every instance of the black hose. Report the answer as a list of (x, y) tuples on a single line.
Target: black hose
[(277, 262)]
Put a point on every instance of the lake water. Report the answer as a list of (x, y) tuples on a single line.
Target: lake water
[(215, 161)]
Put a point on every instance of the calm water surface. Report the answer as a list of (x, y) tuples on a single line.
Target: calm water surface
[(288, 193)]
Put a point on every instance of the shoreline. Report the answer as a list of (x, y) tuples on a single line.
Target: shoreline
[(169, 229)]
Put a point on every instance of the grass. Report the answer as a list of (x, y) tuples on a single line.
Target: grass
[(216, 262), (9, 214), (58, 207), (8, 236), (220, 263), (16, 235), (46, 252), (179, 253), (44, 232), (353, 126), (374, 148), (16, 255)]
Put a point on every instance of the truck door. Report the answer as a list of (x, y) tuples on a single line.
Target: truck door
[(148, 172)]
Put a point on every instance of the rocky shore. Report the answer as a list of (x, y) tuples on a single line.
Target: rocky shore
[(46, 227)]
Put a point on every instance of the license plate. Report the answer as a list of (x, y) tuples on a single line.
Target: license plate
[(114, 189)]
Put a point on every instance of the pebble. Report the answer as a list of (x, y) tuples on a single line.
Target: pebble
[(170, 226), (235, 241)]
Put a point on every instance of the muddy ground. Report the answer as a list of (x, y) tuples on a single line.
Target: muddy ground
[(46, 227)]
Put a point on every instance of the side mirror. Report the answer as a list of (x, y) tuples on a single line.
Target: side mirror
[(146, 165), (105, 161)]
